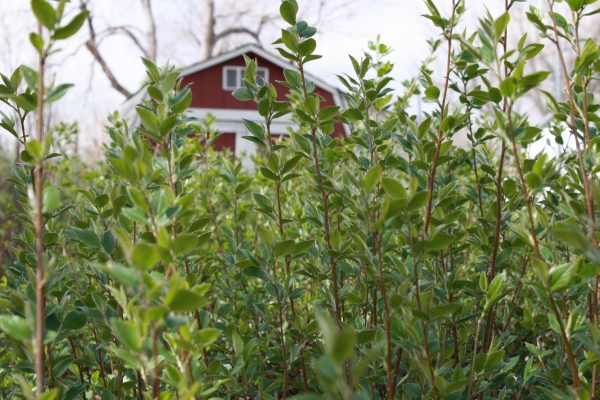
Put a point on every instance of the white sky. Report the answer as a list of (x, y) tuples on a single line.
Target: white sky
[(345, 31)]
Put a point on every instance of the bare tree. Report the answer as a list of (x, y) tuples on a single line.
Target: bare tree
[(209, 25), (235, 18), (149, 49), (212, 36), (151, 39)]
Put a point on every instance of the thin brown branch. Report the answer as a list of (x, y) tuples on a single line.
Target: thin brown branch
[(40, 293), (128, 32), (92, 46), (325, 205), (440, 133)]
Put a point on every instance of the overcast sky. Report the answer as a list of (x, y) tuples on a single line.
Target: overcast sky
[(344, 31)]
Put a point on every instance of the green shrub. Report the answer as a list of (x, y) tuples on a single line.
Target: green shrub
[(391, 263)]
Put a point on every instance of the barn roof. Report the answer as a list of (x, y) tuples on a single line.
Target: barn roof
[(259, 51)]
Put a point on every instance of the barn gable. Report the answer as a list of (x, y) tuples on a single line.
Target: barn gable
[(213, 81)]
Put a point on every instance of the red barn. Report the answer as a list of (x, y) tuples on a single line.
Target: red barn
[(212, 82)]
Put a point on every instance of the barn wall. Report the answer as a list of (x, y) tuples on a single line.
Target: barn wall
[(225, 140), (207, 88)]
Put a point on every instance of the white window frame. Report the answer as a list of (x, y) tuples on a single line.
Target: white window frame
[(240, 71)]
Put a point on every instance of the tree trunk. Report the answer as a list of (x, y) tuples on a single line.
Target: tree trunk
[(151, 39), (210, 37)]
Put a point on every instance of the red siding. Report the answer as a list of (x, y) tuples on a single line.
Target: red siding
[(225, 141), (208, 92)]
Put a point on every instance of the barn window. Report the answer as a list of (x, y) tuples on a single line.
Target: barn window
[(233, 77), (261, 76)]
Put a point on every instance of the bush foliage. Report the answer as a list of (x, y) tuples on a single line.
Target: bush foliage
[(391, 263)]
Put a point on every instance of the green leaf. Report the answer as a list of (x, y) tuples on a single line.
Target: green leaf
[(533, 180), (238, 343), (440, 241), (560, 276), (16, 327), (418, 200), (424, 127), (127, 333), (256, 272), (303, 246), (30, 76), (124, 275), (186, 243), (85, 236), (494, 291), (72, 27), (255, 129), (448, 123), (479, 362), (207, 336), (108, 242), (74, 320), (26, 101), (144, 255), (372, 177), (394, 188), (51, 199), (307, 396), (343, 345), (493, 359), (49, 394), (290, 164), (34, 148), (74, 391), (532, 80), (495, 95), (182, 100), (137, 197), (571, 235), (500, 25), (155, 93), (293, 78), (267, 173), (186, 300), (444, 310), (412, 390), (44, 13), (576, 5), (352, 114), (36, 41), (148, 119), (284, 248), (508, 86), (58, 92), (365, 336), (288, 11), (532, 49), (152, 71), (307, 47), (432, 92), (328, 113), (243, 94)]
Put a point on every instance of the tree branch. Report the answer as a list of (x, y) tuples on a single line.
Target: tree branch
[(92, 46), (151, 39)]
